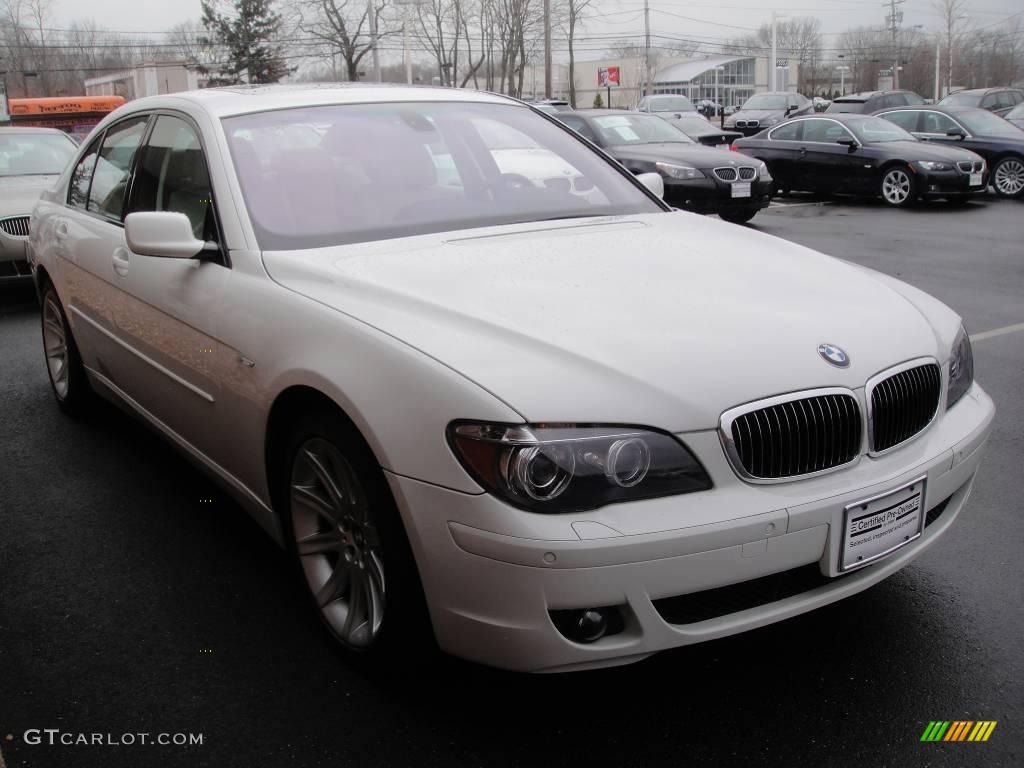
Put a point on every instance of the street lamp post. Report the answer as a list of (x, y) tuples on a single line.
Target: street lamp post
[(717, 102), (842, 69)]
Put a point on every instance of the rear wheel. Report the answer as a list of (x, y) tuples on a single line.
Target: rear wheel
[(1008, 177), (63, 363), (897, 186), (346, 536), (741, 216)]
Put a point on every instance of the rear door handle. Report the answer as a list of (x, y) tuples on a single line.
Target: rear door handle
[(121, 262)]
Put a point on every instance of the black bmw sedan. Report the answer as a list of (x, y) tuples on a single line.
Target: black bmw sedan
[(866, 155), (998, 141), (697, 178), (703, 131)]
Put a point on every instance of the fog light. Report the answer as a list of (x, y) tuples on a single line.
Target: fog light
[(591, 626), (587, 625)]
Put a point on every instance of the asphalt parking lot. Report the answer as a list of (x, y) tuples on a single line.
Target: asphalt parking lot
[(136, 598)]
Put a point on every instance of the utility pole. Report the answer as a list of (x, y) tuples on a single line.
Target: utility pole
[(775, 56), (893, 21), (647, 48), (371, 12), (938, 47), (547, 52)]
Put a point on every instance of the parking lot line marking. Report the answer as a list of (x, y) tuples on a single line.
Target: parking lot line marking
[(1015, 328)]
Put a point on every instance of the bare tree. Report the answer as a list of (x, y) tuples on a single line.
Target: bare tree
[(343, 27), (955, 22), (575, 16)]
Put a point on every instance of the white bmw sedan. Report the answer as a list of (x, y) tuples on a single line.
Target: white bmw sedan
[(529, 407)]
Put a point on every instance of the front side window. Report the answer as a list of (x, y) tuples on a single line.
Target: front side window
[(379, 171), (906, 120), (113, 167), (938, 123), (824, 131), (78, 189), (172, 176), (34, 154), (875, 130)]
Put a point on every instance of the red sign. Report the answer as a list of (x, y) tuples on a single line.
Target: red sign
[(607, 76)]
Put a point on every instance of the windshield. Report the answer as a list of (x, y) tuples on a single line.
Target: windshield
[(846, 106), (670, 104), (617, 130), (34, 154), (962, 100), (764, 101), (875, 130), (379, 171), (986, 124)]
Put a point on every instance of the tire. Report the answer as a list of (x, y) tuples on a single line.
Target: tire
[(63, 363), (741, 216), (347, 542), (1008, 177), (897, 186)]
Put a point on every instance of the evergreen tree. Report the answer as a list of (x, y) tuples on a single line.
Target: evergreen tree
[(243, 40), (598, 101)]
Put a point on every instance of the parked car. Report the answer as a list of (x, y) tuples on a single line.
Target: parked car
[(709, 108), (871, 101), (547, 428), (1016, 115), (730, 110), (551, 106), (997, 100), (703, 132), (998, 141), (820, 103), (697, 178), (763, 110), (666, 102), (30, 161), (863, 154)]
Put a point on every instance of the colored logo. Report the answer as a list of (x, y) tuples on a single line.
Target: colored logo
[(958, 730), (833, 354)]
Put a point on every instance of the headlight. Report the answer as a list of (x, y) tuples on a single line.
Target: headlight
[(930, 165), (729, 123), (763, 173), (678, 171), (961, 368), (567, 468)]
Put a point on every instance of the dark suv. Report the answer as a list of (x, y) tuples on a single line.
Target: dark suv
[(871, 101), (997, 100)]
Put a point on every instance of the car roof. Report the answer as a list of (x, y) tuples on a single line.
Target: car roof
[(842, 117), (9, 129), (981, 91), (245, 99), (618, 112), (948, 109)]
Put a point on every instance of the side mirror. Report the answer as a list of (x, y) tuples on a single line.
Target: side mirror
[(848, 141), (162, 233), (654, 183), (956, 133)]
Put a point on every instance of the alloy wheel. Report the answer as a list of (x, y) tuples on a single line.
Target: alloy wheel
[(337, 542), (55, 342), (896, 186), (1008, 178)]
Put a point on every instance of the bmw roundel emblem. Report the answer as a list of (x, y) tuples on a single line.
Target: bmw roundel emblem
[(833, 354)]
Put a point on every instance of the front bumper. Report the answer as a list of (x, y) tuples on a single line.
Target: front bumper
[(13, 262), (492, 574), (949, 184), (712, 195)]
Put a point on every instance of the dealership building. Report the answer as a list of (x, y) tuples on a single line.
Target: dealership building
[(733, 78)]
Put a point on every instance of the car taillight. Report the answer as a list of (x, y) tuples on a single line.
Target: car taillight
[(733, 148)]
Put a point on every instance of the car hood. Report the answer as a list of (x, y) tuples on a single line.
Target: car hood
[(663, 319), (696, 155), (757, 114), (927, 150), (18, 194)]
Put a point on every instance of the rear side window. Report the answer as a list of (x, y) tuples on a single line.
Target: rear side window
[(113, 167), (78, 189), (172, 176), (788, 131), (906, 120)]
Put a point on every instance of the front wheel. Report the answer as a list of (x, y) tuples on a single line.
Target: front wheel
[(897, 187), (1008, 177), (741, 216), (345, 533), (63, 363)]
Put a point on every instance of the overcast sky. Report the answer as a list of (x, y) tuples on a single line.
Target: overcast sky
[(706, 19)]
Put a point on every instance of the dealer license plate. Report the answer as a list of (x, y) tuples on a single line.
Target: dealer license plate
[(975, 180), (741, 189), (875, 527), (723, 146)]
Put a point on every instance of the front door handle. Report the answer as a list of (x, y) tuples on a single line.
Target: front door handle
[(121, 261)]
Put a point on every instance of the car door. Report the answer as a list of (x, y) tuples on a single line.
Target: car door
[(91, 239), (826, 166), (168, 308)]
